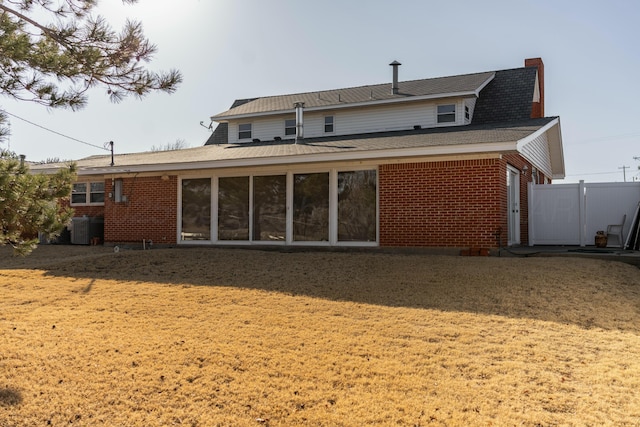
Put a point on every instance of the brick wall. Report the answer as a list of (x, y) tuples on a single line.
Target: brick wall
[(443, 204), (150, 211), (90, 211), (460, 203)]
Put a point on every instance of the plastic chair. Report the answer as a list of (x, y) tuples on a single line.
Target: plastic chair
[(616, 230)]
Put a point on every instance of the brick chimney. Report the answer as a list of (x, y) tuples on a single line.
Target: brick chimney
[(537, 107)]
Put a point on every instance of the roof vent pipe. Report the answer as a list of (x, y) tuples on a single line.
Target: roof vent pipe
[(299, 106), (394, 85)]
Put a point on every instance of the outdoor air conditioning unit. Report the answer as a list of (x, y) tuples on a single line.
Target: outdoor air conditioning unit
[(80, 231)]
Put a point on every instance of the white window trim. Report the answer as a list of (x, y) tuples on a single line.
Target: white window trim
[(290, 127), (333, 124), (241, 131), (455, 114), (87, 200)]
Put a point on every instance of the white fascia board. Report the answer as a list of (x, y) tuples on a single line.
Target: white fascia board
[(524, 141), (555, 146), (482, 86), (226, 119), (310, 158), (557, 154)]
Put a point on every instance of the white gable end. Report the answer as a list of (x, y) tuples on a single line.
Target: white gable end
[(537, 152)]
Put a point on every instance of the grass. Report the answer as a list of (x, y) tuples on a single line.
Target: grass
[(213, 337)]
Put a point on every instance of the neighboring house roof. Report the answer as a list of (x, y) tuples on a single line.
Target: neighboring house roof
[(382, 145), (463, 85)]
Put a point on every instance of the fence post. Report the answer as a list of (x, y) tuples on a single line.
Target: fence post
[(582, 217)]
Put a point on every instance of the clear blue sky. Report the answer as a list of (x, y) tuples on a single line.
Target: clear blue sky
[(229, 49)]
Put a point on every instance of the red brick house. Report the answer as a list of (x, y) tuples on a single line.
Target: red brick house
[(439, 162)]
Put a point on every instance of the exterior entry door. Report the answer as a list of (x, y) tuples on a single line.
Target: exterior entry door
[(513, 206)]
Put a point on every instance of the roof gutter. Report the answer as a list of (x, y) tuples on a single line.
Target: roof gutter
[(384, 154)]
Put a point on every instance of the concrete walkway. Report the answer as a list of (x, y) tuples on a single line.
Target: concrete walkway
[(610, 254)]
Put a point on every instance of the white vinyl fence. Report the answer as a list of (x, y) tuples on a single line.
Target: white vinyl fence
[(571, 214)]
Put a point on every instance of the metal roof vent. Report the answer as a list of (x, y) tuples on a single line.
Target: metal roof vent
[(394, 85), (299, 106)]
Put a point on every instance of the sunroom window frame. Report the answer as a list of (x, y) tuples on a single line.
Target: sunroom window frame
[(289, 173)]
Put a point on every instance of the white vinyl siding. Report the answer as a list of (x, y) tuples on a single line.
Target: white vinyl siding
[(264, 130), (469, 103), (358, 120), (537, 152)]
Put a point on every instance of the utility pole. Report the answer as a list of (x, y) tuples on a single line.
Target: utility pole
[(624, 171)]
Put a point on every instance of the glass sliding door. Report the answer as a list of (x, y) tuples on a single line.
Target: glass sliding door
[(233, 208), (357, 206), (311, 207), (269, 208), (196, 209)]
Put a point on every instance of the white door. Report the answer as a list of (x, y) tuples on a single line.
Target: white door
[(513, 206)]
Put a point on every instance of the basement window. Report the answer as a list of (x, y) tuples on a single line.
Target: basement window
[(328, 124), (244, 131), (290, 127), (447, 113)]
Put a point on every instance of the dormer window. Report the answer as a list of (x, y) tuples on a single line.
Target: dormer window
[(290, 127), (244, 131), (467, 114), (447, 113), (328, 124)]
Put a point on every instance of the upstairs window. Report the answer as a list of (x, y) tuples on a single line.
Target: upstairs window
[(447, 113), (467, 114), (87, 193), (290, 127), (244, 131), (328, 124)]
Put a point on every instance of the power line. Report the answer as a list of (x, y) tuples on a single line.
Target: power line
[(606, 138), (57, 133), (593, 173), (624, 172)]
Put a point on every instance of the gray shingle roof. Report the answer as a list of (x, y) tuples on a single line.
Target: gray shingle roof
[(508, 97), (286, 152), (468, 83)]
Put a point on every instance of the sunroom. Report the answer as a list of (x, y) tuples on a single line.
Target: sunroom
[(321, 206)]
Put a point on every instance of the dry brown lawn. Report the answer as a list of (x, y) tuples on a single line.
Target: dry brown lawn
[(227, 337)]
